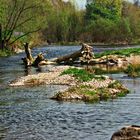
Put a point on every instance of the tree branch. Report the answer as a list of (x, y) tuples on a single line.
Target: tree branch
[(10, 18), (25, 21), (13, 24), (24, 35), (22, 10), (30, 7)]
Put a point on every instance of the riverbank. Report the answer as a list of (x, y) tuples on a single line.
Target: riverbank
[(124, 51), (48, 78), (99, 44), (8, 52), (5, 53), (121, 52)]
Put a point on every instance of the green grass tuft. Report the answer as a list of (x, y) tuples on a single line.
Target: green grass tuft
[(80, 74), (125, 52), (122, 94), (90, 92)]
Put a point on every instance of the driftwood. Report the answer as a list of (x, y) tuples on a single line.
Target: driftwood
[(29, 60), (28, 52), (38, 59), (84, 55)]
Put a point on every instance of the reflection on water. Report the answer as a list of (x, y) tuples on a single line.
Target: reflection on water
[(28, 113), (110, 69), (104, 69)]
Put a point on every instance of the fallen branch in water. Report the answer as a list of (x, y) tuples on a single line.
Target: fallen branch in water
[(85, 55)]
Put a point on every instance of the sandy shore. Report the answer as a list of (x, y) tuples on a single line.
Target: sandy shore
[(51, 77)]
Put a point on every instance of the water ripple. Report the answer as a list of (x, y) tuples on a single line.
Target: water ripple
[(29, 114)]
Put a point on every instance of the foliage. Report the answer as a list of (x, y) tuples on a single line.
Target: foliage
[(5, 52), (133, 70), (125, 52), (91, 94), (116, 84), (21, 18), (132, 12), (103, 9), (80, 74), (65, 22), (104, 21)]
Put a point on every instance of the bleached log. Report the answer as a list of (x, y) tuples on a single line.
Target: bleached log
[(85, 51), (85, 55)]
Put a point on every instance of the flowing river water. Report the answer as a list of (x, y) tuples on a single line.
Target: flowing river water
[(27, 113)]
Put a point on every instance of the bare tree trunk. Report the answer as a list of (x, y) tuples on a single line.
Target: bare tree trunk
[(14, 20), (28, 60), (28, 52), (1, 41), (0, 36)]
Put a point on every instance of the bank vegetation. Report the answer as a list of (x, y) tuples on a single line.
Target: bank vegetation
[(41, 21)]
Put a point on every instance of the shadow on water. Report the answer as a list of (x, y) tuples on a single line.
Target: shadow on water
[(27, 113)]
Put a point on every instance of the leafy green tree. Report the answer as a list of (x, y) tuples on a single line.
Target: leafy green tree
[(105, 9), (20, 18), (64, 22), (105, 21)]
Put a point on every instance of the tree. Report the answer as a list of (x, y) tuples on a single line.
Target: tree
[(64, 22), (109, 9), (101, 19), (2, 9), (20, 18), (1, 44)]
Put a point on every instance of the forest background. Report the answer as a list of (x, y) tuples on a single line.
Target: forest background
[(57, 21)]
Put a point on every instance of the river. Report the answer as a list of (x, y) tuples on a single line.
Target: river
[(29, 114)]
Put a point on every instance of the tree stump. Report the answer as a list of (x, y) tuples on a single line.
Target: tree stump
[(28, 52), (28, 60)]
